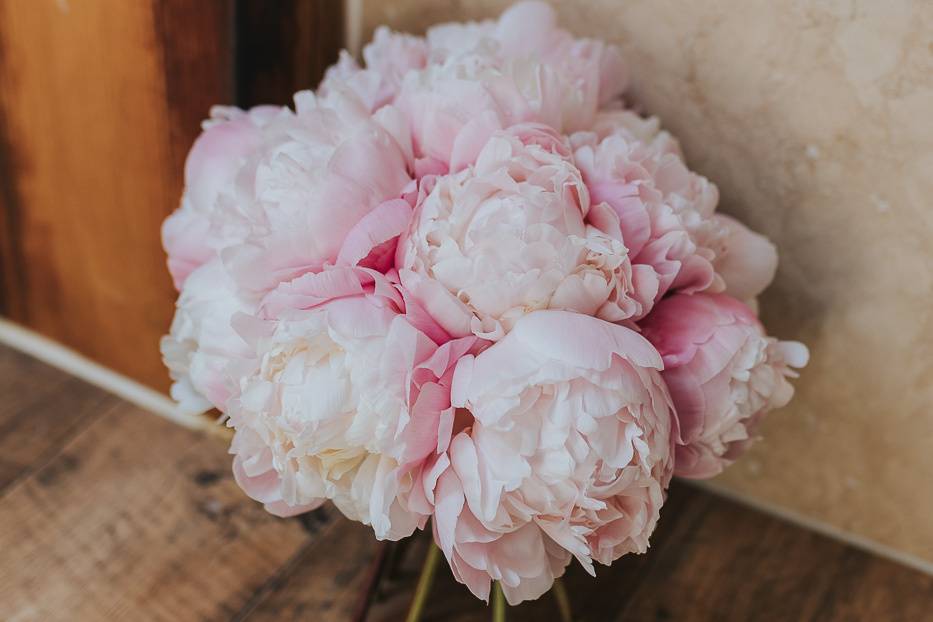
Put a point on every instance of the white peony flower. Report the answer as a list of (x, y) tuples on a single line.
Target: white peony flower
[(343, 403)]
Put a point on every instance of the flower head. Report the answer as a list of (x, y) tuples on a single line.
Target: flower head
[(723, 373), (481, 78), (507, 236), (342, 402), (321, 170), (660, 210), (388, 58), (529, 30), (563, 448), (664, 213)]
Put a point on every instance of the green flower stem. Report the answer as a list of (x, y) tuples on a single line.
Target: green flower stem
[(563, 600), (424, 583), (498, 603)]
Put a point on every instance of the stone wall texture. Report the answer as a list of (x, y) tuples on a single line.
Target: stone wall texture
[(815, 119)]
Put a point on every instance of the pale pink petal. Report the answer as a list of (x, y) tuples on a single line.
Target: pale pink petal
[(185, 239), (364, 243), (748, 260)]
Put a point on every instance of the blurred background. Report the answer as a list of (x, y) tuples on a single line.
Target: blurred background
[(814, 119)]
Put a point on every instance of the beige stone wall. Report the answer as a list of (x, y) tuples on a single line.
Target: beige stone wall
[(816, 121)]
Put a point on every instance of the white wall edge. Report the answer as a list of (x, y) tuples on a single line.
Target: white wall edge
[(66, 359)]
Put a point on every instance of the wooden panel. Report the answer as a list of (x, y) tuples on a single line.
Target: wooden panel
[(10, 249), (284, 46), (100, 101), (196, 41)]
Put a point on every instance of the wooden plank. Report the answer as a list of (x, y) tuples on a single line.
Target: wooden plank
[(326, 581), (11, 272), (136, 519), (196, 42), (716, 560), (40, 410), (284, 46), (101, 100)]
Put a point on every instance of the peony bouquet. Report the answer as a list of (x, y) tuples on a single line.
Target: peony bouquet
[(464, 286)]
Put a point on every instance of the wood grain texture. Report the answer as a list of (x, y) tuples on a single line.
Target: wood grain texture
[(326, 581), (196, 42), (41, 408), (284, 46), (137, 519), (716, 560), (101, 100), (11, 277)]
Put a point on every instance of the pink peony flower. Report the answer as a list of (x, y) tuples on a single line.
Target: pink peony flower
[(201, 342), (343, 402), (666, 213), (507, 236), (481, 78), (388, 57), (230, 137), (661, 211), (320, 172), (723, 374), (528, 30), (562, 447)]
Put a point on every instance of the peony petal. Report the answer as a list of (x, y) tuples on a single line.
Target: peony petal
[(748, 261), (185, 239), (385, 223)]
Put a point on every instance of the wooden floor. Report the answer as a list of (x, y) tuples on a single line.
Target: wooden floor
[(110, 513)]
